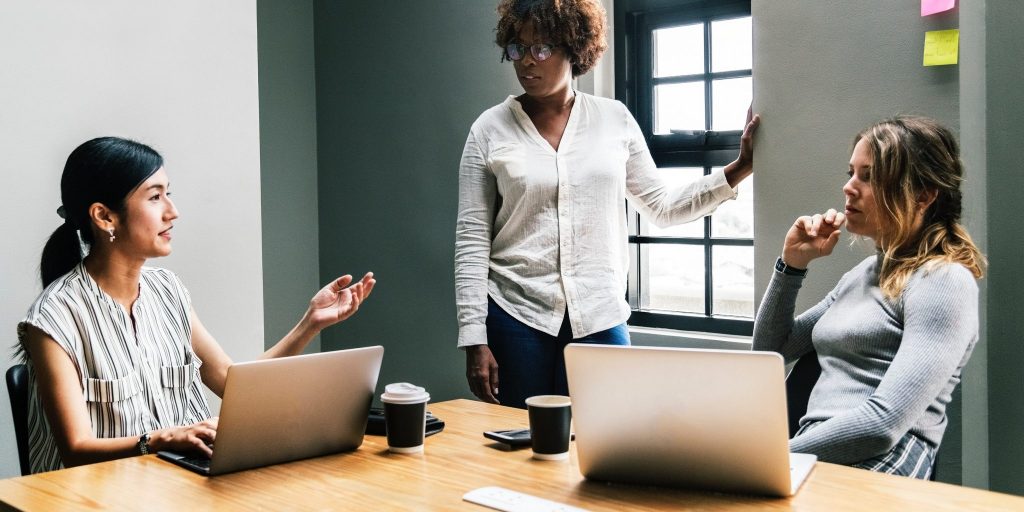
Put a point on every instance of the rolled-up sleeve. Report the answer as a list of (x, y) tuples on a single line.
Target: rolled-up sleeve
[(477, 200), (663, 204)]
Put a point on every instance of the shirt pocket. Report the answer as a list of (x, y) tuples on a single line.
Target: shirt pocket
[(116, 390), (178, 376)]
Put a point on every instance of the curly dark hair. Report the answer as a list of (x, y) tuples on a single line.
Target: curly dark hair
[(577, 26)]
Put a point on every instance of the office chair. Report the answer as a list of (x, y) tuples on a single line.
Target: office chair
[(17, 388), (799, 383)]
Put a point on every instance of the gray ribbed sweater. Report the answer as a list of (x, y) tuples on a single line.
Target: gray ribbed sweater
[(888, 367)]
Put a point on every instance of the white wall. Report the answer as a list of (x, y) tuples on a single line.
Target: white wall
[(180, 76), (600, 81)]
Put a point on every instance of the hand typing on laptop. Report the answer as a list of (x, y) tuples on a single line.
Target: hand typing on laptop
[(197, 438), (251, 430)]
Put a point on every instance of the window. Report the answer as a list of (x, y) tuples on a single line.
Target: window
[(686, 77)]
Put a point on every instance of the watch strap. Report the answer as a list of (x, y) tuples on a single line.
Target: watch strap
[(143, 444), (781, 266)]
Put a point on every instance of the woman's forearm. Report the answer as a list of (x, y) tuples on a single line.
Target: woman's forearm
[(737, 171), (294, 342), (775, 327), (92, 450)]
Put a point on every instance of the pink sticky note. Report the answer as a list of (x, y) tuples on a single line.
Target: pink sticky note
[(934, 6)]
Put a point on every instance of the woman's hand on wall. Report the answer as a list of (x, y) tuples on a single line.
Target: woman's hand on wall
[(743, 166)]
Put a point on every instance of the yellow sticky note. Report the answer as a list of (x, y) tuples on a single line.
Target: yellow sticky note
[(941, 47)]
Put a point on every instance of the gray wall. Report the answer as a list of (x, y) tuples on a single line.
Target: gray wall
[(973, 143), (398, 85), (180, 76), (1003, 111), (823, 71), (291, 272)]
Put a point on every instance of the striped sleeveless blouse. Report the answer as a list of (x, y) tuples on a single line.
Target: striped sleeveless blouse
[(134, 378)]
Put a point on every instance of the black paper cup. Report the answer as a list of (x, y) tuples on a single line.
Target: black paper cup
[(405, 417), (550, 419)]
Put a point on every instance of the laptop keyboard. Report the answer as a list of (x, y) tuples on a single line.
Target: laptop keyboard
[(200, 462)]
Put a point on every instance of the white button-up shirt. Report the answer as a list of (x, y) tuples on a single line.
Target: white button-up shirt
[(543, 232)]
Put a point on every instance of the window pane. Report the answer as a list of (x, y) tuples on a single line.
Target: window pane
[(632, 293), (674, 278), (734, 281), (679, 107), (731, 44), (679, 50), (735, 219), (676, 177), (730, 100), (631, 222)]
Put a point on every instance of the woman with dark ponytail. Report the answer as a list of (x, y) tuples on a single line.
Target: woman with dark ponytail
[(117, 357), (104, 171), (892, 338)]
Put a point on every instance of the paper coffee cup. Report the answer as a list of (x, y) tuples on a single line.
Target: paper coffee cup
[(405, 416), (550, 419)]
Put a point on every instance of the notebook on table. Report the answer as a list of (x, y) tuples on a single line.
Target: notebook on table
[(705, 419), (290, 408)]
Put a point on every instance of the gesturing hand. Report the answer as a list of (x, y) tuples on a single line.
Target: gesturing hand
[(334, 302), (812, 237)]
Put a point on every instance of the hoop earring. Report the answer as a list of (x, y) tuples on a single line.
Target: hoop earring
[(111, 231)]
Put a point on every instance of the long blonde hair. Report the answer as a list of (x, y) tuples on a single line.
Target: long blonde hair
[(912, 156)]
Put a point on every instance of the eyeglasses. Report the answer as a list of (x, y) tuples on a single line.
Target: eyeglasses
[(540, 51)]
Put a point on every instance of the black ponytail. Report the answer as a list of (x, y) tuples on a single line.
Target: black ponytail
[(61, 253), (104, 170)]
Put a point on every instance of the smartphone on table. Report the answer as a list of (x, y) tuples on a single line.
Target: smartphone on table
[(515, 438)]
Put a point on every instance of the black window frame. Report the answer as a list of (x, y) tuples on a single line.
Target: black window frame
[(635, 23)]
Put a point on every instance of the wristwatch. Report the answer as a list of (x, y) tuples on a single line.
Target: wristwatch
[(143, 444), (781, 266)]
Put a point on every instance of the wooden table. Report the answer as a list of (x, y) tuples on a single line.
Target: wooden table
[(454, 462)]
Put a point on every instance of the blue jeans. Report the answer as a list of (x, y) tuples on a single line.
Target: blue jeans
[(531, 362)]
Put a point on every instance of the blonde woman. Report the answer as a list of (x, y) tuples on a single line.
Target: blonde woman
[(895, 333)]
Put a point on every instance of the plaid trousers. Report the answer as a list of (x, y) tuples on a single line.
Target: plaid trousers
[(912, 456)]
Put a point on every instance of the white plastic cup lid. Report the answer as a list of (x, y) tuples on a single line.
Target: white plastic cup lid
[(404, 393), (548, 401)]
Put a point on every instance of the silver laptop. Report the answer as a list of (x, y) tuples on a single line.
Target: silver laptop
[(707, 419), (290, 408)]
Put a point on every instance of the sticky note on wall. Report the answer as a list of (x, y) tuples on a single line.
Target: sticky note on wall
[(934, 6), (941, 47)]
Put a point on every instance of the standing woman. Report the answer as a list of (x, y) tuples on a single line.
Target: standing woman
[(116, 355), (540, 251), (894, 335)]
